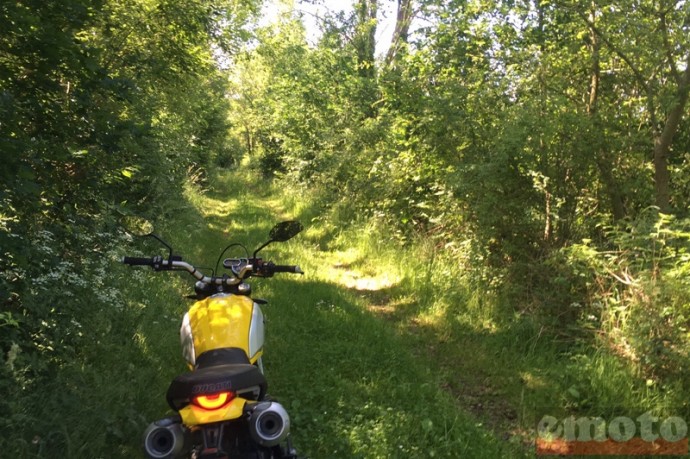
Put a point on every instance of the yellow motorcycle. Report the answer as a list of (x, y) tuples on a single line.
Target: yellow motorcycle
[(222, 407)]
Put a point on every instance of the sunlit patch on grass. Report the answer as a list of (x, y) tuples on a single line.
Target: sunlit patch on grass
[(259, 226), (277, 207), (208, 206), (344, 259), (352, 280), (140, 340), (532, 381), (316, 232), (216, 208), (346, 269)]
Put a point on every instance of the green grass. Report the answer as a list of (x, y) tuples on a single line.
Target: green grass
[(353, 386), (503, 368), (378, 351)]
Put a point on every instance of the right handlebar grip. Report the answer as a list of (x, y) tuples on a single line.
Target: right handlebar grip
[(287, 269), (136, 261)]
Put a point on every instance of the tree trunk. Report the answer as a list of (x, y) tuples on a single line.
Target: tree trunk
[(603, 163), (402, 29), (249, 140), (663, 139), (662, 142)]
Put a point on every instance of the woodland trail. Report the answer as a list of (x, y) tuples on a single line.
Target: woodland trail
[(359, 376)]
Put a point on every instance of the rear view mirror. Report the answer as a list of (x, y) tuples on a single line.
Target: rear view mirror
[(137, 226), (284, 231)]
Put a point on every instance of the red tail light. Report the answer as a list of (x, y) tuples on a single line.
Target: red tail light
[(213, 402)]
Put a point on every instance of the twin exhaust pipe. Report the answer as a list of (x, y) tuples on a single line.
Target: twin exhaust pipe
[(268, 422), (165, 438)]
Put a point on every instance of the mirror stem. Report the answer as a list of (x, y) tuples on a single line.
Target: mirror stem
[(170, 250), (257, 250)]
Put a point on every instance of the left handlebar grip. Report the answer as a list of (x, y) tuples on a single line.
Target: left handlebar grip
[(136, 261)]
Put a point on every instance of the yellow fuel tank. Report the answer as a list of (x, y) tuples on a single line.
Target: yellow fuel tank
[(224, 320)]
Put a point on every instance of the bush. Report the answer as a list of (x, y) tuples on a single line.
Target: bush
[(638, 291)]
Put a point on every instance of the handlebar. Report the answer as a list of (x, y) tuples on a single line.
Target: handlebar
[(257, 267), (242, 268), (159, 263)]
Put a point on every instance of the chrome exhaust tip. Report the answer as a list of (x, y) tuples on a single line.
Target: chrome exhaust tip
[(164, 439), (269, 423)]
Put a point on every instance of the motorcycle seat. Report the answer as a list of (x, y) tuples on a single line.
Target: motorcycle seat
[(219, 371), (221, 356)]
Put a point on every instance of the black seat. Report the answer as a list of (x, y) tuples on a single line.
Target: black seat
[(222, 356), (220, 370)]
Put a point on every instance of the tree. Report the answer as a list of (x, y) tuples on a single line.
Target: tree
[(104, 105), (663, 78), (365, 36), (403, 20)]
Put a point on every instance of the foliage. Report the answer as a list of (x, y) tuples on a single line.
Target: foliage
[(639, 291), (522, 143), (104, 107), (504, 134)]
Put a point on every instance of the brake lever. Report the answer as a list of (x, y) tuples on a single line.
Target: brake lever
[(158, 263)]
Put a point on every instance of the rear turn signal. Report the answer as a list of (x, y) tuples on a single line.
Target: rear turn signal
[(213, 402)]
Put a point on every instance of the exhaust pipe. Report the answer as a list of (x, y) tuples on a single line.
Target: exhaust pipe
[(164, 439), (269, 423)]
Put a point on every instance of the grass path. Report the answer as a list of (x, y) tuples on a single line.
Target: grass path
[(357, 382), (376, 352), (384, 352)]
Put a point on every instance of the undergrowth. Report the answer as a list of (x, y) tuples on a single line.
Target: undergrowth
[(385, 348), (352, 383), (604, 334)]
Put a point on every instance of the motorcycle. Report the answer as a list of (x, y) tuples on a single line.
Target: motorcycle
[(223, 410)]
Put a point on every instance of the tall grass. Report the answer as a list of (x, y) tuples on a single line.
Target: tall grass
[(380, 350), (620, 355), (351, 383)]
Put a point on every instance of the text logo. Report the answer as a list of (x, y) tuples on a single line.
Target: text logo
[(622, 435)]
